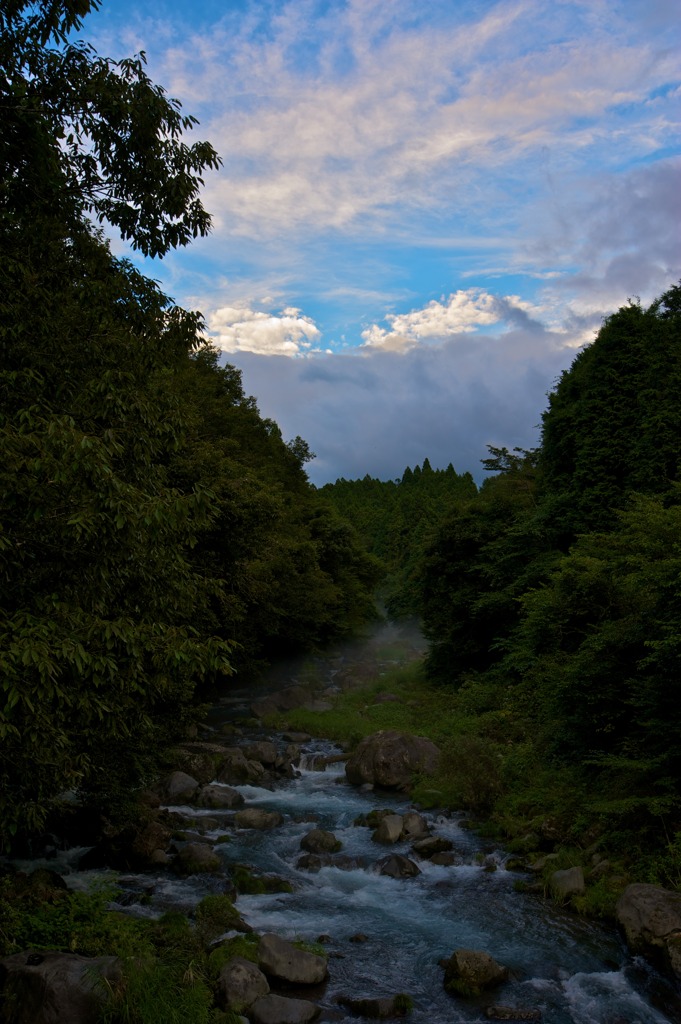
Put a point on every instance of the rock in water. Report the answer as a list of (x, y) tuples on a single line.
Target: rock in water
[(468, 972)]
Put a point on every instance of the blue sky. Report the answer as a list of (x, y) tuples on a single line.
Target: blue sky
[(424, 210)]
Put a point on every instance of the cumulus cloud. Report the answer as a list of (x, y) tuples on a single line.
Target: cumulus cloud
[(462, 312), (239, 329), (377, 411)]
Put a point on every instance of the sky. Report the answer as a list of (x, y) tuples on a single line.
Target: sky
[(424, 210)]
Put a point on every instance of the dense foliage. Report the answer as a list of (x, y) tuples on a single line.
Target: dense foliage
[(554, 593), (156, 533), (397, 518)]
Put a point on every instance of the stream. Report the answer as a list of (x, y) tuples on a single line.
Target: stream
[(574, 971)]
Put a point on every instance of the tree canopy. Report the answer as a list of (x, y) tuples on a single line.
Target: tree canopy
[(156, 533)]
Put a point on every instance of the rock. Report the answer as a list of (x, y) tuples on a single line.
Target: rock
[(273, 1009), (216, 796), (359, 937), (256, 817), (282, 960), (177, 788), (564, 884), (235, 767), (316, 861), (428, 847), (391, 759), (51, 988), (446, 859), (389, 830), (377, 1007), (397, 866), (413, 824), (240, 984), (497, 1012), (651, 919), (469, 971), (320, 841), (197, 858), (263, 751)]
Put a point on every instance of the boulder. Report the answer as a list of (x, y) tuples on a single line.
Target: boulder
[(271, 1009), (413, 824), (391, 759), (567, 883), (316, 861), (377, 1007), (320, 841), (263, 751), (240, 984), (428, 847), (468, 972), (219, 797), (197, 858), (256, 817), (282, 960), (651, 919), (235, 767), (389, 829), (397, 866), (177, 788), (52, 988), (498, 1012)]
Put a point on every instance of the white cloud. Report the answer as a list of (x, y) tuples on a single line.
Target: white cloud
[(239, 329), (369, 112), (463, 312)]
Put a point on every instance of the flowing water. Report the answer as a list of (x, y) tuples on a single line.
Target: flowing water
[(574, 971)]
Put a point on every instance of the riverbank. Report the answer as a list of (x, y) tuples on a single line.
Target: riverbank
[(557, 961)]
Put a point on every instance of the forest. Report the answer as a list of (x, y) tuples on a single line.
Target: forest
[(158, 535)]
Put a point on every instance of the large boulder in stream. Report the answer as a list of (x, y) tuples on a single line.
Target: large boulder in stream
[(397, 866), (320, 841), (651, 919), (468, 972), (257, 818), (219, 797), (51, 988), (282, 960), (391, 760)]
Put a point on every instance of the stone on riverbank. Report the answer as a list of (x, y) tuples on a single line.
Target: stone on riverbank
[(45, 988), (567, 883), (391, 760), (272, 1009), (651, 919), (177, 788), (282, 960), (240, 984)]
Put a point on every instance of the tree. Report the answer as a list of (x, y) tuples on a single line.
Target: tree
[(99, 648), (613, 423), (83, 134)]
